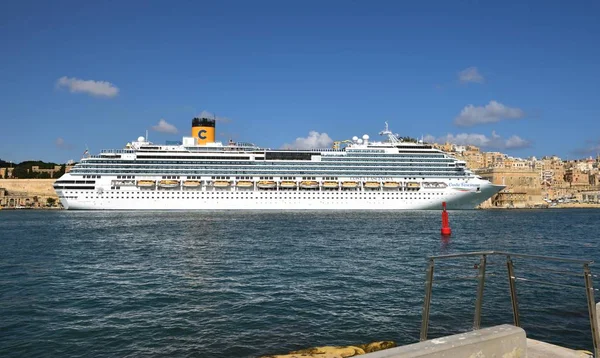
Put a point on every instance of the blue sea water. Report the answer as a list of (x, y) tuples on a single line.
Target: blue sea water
[(238, 284)]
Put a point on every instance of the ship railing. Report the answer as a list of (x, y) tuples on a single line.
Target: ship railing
[(117, 151), (510, 258)]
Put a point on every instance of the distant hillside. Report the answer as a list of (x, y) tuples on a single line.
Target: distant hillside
[(23, 170)]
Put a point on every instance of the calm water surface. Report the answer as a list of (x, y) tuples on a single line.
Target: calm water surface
[(237, 284)]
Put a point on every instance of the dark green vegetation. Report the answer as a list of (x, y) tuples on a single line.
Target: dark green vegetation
[(24, 170), (409, 139)]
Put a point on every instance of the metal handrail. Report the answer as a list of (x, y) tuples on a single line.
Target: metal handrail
[(546, 270), (512, 278), (502, 253)]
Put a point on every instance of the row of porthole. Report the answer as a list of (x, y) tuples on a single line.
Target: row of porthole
[(257, 197), (240, 196), (272, 193), (285, 198)]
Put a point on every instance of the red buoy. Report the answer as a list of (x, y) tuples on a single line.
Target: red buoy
[(446, 231)]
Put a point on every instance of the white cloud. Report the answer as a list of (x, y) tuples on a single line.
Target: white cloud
[(517, 142), (314, 140), (206, 114), (592, 148), (481, 140), (91, 87), (429, 139), (164, 127), (470, 74), (61, 144), (491, 113)]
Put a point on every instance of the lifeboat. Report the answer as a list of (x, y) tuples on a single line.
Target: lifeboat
[(221, 184), (413, 185), (391, 185), (349, 184), (287, 184), (191, 183), (146, 183), (372, 185), (266, 184), (330, 184), (309, 184), (168, 183), (244, 184)]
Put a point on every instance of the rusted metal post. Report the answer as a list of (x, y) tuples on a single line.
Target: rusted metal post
[(479, 302), (589, 290), (513, 291), (427, 302)]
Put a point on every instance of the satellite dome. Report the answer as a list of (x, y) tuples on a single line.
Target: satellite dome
[(355, 138), (366, 137), (140, 139), (359, 141)]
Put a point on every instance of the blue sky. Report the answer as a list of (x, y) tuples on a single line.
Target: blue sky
[(519, 77)]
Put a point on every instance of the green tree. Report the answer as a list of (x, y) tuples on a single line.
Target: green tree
[(408, 139), (59, 173), (23, 169), (21, 173), (50, 201)]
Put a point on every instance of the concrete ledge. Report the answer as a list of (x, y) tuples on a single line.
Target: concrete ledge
[(539, 349), (504, 341), (598, 313)]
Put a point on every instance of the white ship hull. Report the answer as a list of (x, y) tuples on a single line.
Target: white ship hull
[(277, 200), (365, 175)]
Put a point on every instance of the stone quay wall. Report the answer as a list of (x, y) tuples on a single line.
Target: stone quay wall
[(26, 192)]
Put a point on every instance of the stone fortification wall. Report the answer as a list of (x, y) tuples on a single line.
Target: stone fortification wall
[(26, 192), (29, 187)]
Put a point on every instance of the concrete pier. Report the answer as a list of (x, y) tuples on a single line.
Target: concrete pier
[(504, 341), (539, 349)]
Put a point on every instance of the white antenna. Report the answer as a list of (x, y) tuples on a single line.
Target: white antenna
[(392, 138), (147, 136)]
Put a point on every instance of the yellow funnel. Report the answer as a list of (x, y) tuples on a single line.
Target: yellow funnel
[(203, 129)]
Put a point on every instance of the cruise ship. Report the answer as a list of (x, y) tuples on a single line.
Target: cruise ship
[(200, 173)]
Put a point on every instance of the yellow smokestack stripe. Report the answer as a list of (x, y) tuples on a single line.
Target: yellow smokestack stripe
[(204, 134)]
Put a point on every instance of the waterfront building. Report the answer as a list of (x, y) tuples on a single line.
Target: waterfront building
[(6, 173), (523, 186), (51, 171), (576, 177), (589, 196)]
